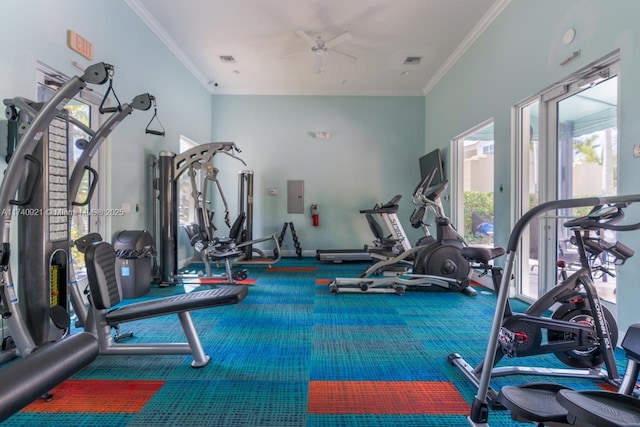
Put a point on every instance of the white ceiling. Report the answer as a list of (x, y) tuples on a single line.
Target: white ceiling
[(257, 33)]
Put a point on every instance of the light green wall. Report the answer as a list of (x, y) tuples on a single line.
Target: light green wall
[(517, 57), (35, 30), (371, 156), (375, 142), (373, 138)]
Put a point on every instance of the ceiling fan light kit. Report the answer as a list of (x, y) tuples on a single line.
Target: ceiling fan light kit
[(318, 46)]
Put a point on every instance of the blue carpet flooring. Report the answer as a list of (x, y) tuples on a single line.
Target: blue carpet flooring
[(278, 355)]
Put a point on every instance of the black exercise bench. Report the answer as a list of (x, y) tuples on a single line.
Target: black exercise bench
[(106, 292)]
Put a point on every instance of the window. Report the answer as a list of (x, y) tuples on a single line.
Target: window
[(472, 184)]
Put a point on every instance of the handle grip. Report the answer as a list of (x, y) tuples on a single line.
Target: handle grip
[(92, 187), (6, 311), (104, 110), (32, 191)]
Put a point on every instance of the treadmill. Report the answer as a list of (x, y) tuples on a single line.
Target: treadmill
[(383, 244)]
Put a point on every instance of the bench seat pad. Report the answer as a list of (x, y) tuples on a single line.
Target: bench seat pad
[(178, 303)]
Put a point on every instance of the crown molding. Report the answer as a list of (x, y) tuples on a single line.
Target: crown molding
[(317, 93), (146, 17), (143, 13), (473, 35)]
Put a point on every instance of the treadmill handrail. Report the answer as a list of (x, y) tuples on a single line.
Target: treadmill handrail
[(390, 207)]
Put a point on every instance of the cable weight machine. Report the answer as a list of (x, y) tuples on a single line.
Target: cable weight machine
[(165, 173), (28, 311), (82, 166), (39, 173)]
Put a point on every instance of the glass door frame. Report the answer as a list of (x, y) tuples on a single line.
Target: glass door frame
[(521, 123), (548, 101)]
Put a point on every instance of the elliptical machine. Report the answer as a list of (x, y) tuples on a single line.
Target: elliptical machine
[(442, 255), (403, 279)]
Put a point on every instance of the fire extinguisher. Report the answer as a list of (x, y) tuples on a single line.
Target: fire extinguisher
[(315, 215)]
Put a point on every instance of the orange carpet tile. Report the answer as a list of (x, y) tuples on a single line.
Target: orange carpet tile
[(385, 397), (607, 387), (98, 396)]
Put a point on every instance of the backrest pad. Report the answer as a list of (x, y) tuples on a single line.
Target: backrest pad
[(236, 228), (100, 259)]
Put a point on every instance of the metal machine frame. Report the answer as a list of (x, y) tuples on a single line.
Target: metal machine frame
[(482, 377), (14, 309), (170, 167)]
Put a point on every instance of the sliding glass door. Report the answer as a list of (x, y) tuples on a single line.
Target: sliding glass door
[(567, 149)]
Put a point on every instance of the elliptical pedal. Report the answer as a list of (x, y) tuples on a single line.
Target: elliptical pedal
[(534, 402)]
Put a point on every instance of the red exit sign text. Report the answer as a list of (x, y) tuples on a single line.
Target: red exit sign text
[(79, 44)]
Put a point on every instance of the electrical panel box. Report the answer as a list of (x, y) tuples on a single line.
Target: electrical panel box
[(295, 196)]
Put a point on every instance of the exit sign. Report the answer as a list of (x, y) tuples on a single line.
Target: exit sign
[(79, 44)]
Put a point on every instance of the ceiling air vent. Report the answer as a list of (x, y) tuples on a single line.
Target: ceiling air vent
[(412, 60), (227, 59)]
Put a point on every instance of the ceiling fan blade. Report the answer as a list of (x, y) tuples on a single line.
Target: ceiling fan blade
[(318, 66), (298, 53), (306, 37), (340, 38), (342, 53)]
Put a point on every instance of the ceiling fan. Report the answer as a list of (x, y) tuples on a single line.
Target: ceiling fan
[(319, 47)]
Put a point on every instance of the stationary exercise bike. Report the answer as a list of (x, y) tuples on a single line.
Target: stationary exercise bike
[(580, 332)]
